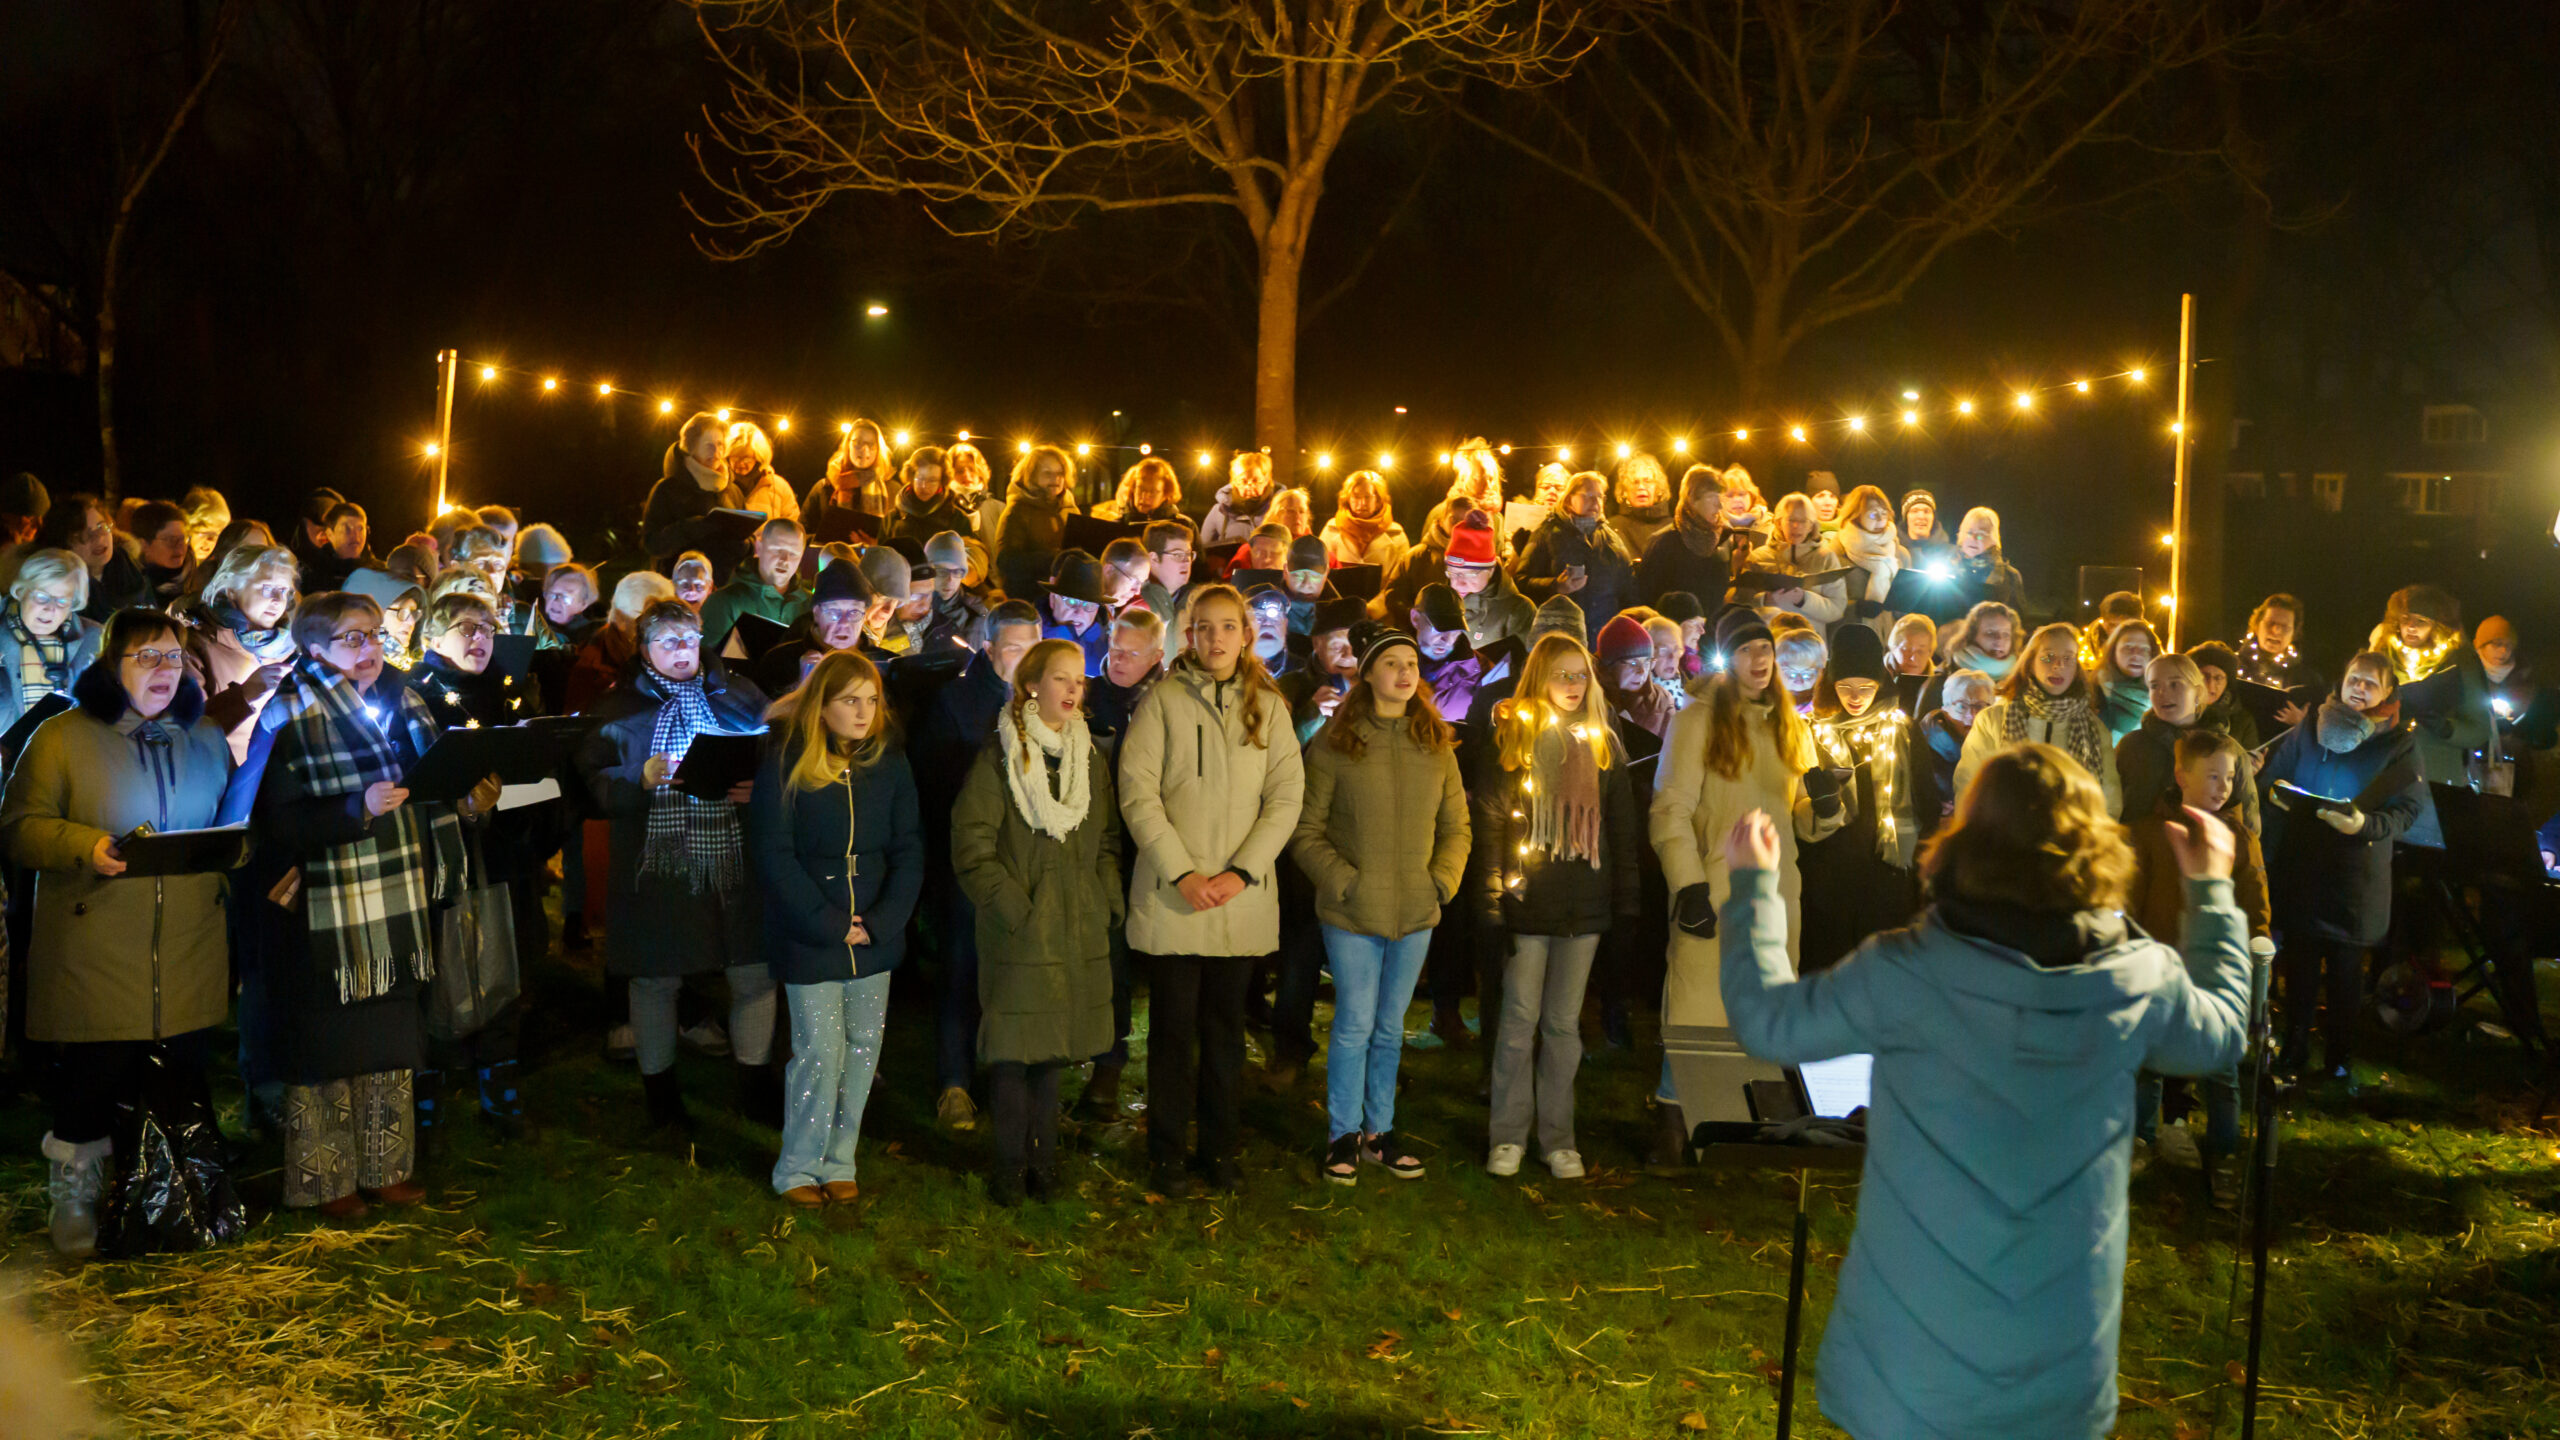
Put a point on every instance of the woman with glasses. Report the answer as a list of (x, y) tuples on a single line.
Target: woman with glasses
[(510, 848), (340, 891), (677, 886), (120, 964), (237, 637), (44, 640)]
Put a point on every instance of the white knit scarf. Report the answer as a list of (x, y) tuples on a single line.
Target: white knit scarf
[(1875, 554), (704, 475), (1056, 813)]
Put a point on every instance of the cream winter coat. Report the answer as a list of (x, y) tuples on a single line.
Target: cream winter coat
[(1984, 742), (1201, 798), (1693, 810)]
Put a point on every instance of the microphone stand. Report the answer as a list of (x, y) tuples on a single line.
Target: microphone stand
[(2266, 1092)]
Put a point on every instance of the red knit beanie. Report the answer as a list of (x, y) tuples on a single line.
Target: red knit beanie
[(1624, 639), (1472, 542)]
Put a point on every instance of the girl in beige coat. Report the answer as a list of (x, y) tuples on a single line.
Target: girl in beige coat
[(1741, 748), (1210, 785)]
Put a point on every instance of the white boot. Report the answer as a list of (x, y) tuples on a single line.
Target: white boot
[(76, 1179)]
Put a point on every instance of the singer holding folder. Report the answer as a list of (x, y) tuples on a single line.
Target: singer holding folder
[(117, 965)]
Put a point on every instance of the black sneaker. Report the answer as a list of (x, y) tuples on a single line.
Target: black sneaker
[(1226, 1176), (1382, 1151), (1342, 1159), (1169, 1179)]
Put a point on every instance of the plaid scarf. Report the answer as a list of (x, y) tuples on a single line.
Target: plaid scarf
[(2074, 726), (44, 661), (368, 901), (689, 836)]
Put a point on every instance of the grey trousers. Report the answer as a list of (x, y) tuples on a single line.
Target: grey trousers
[(653, 1017), (1542, 1017)]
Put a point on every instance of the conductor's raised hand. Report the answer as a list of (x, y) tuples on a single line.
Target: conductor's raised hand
[(1753, 845), (2203, 845)]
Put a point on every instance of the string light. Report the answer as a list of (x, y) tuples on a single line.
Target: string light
[(1858, 422), (1625, 449), (1324, 459), (1910, 394), (1206, 460), (488, 372), (1964, 407), (1386, 461), (2080, 385), (2026, 401), (432, 449), (1142, 450), (844, 427), (604, 387), (2177, 427), (550, 383), (666, 407), (1083, 449), (1023, 447), (1444, 457), (2168, 539), (1795, 432), (900, 439), (721, 414), (1503, 448), (1564, 454), (782, 424), (875, 311), (1680, 445), (1910, 417), (1741, 434), (2134, 375)]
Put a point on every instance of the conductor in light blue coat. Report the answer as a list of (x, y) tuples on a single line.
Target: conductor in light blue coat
[(1985, 1283)]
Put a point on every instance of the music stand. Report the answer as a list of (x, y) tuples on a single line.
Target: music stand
[(2487, 842)]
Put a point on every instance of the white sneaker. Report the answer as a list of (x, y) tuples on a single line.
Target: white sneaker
[(1565, 1164), (1505, 1159), (708, 1038), (2176, 1146)]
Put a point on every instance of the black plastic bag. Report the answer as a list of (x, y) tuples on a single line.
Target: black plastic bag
[(170, 1190)]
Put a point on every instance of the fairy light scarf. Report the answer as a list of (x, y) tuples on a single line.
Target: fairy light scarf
[(1876, 740), (2417, 663)]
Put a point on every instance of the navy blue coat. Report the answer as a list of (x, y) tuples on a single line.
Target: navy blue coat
[(2324, 885), (802, 843)]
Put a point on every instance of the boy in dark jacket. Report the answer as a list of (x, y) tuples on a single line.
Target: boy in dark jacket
[(2211, 769)]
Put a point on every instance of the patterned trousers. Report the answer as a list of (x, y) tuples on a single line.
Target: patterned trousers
[(343, 1134)]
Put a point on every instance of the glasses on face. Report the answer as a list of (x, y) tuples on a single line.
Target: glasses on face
[(45, 600), (474, 630), (678, 640), (358, 639), (952, 572), (95, 533), (157, 659), (272, 590)]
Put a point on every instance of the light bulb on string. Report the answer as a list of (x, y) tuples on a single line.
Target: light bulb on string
[(666, 407), (721, 414), (1910, 417), (1964, 407), (1444, 457), (2177, 427), (2026, 401), (1146, 449), (604, 387), (1796, 433), (2080, 385), (1625, 449), (1680, 445), (1324, 459), (1741, 434), (782, 424), (488, 372), (2168, 539), (1386, 461), (1858, 422), (1504, 448), (844, 427), (2134, 375), (433, 449), (964, 437), (1564, 454), (899, 439), (1910, 394), (550, 383), (1206, 459), (1083, 448), (1022, 447)]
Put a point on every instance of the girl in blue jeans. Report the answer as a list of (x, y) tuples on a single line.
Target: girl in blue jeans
[(1383, 834)]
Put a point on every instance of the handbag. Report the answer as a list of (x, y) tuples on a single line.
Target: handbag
[(476, 971), (170, 1191)]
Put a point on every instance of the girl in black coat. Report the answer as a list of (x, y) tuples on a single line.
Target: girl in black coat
[(839, 855), (2329, 860)]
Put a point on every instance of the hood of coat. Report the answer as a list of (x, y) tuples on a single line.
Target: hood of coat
[(2034, 946), (99, 692)]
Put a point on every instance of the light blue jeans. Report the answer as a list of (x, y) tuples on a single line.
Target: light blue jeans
[(835, 1049), (1373, 980)]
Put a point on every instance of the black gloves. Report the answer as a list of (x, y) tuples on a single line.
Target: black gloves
[(1822, 787), (1694, 911)]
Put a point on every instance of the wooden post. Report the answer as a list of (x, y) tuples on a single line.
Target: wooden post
[(2179, 539), (446, 362)]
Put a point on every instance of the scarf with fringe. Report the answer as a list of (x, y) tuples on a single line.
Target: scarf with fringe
[(1053, 807), (1564, 796), (2072, 724)]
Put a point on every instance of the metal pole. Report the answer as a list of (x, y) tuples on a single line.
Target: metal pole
[(2178, 536), (446, 363), (1795, 1309)]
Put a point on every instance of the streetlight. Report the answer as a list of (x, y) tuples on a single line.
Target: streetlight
[(875, 310)]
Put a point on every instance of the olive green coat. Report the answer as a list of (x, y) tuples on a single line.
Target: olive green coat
[(1384, 837), (1046, 910)]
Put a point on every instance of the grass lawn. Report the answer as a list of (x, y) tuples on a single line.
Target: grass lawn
[(581, 1283)]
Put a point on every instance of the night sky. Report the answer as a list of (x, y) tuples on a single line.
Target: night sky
[(370, 183)]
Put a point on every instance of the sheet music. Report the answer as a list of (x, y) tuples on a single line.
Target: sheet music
[(1838, 1086)]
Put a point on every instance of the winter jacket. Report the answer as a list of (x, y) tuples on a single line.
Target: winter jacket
[(138, 957), (80, 634), (1986, 576), (2446, 741), (1685, 559), (1028, 536), (1935, 747), (1984, 741), (827, 518), (1639, 527), (1823, 605), (2328, 886), (948, 738), (1693, 811), (921, 520), (1608, 568), (657, 926), (822, 857), (1384, 837), (747, 594), (1984, 1287), (1497, 613), (769, 495), (225, 670), (1529, 893), (672, 521), (1094, 640), (2122, 704), (2146, 765), (1858, 881), (2159, 902), (1046, 909), (1384, 549), (1201, 799), (959, 619), (1231, 523)]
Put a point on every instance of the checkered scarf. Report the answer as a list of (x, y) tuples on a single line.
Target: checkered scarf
[(44, 661), (689, 836), (368, 902)]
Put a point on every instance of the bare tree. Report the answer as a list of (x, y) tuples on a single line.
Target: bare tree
[(1012, 115), (131, 181), (1798, 163)]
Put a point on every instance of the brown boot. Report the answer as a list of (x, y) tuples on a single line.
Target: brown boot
[(1670, 1152)]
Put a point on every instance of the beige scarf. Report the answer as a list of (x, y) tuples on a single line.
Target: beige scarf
[(704, 475), (1564, 809)]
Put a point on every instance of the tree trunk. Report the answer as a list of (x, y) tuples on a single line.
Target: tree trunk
[(1275, 360)]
